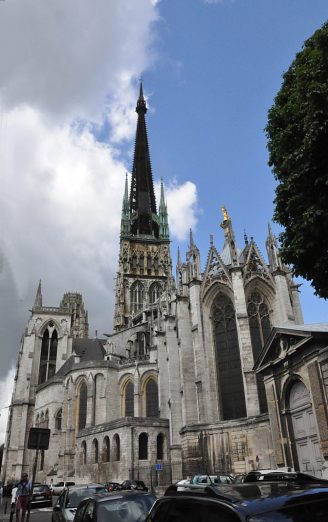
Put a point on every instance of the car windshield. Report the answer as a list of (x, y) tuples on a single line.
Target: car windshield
[(39, 489), (75, 496), (131, 510)]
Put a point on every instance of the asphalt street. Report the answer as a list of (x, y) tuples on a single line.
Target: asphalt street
[(37, 514)]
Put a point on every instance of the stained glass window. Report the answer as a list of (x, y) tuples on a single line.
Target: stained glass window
[(129, 400), (82, 406), (260, 327), (152, 399), (228, 364)]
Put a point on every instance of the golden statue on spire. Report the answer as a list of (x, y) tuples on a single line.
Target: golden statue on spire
[(225, 214)]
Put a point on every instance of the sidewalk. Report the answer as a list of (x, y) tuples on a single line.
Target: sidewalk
[(5, 509)]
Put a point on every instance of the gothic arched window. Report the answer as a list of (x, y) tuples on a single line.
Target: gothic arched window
[(143, 446), (129, 399), (154, 293), (137, 296), (160, 447), (84, 452), (229, 373), (95, 451), (83, 393), (106, 450), (117, 447), (260, 328), (58, 420), (151, 399), (48, 354)]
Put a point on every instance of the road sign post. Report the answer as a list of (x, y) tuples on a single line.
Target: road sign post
[(38, 439)]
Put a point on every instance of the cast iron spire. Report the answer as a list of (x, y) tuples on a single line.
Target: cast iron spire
[(142, 196)]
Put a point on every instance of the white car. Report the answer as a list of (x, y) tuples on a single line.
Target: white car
[(60, 486)]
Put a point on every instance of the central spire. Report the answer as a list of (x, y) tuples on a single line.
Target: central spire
[(142, 196)]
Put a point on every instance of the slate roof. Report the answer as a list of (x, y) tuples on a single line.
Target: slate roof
[(87, 349)]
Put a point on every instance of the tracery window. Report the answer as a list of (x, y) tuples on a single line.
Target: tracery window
[(160, 447), (228, 364), (106, 450), (260, 327), (58, 420), (143, 446), (154, 293), (137, 296), (129, 399), (151, 391), (83, 392), (48, 353)]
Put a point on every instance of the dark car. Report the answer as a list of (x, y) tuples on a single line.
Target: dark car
[(41, 495), (65, 507), (257, 502), (134, 484), (280, 475), (221, 478), (118, 506), (113, 486)]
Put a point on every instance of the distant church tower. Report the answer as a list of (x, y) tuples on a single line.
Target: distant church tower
[(145, 266), (46, 344)]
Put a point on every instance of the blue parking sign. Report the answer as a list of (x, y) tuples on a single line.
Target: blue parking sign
[(159, 467)]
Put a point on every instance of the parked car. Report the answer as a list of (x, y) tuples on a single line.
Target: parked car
[(118, 506), (113, 486), (267, 502), (134, 484), (222, 478), (41, 495), (65, 507), (273, 475), (60, 486), (238, 479)]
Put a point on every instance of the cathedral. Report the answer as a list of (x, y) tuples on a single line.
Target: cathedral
[(206, 370)]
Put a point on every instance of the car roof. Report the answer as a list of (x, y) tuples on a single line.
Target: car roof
[(86, 486), (255, 498), (100, 497)]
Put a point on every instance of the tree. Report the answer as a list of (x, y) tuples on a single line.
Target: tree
[(298, 154)]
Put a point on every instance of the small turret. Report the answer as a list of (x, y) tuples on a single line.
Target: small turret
[(125, 218), (162, 214), (273, 251), (193, 259), (38, 298)]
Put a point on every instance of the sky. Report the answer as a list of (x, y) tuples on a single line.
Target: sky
[(69, 77)]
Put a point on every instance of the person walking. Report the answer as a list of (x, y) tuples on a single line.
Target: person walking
[(13, 503), (22, 497)]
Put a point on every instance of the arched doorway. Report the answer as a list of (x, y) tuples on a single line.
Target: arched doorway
[(304, 430)]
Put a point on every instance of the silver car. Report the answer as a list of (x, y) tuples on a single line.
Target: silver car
[(65, 507)]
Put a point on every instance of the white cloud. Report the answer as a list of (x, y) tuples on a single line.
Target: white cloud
[(66, 58), (69, 67), (182, 208), (6, 389)]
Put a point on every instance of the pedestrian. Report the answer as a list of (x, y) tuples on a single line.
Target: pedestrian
[(22, 497), (13, 502)]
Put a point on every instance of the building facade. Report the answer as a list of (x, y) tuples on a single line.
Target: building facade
[(174, 390)]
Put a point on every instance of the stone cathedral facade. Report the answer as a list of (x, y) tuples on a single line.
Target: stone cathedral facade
[(180, 386)]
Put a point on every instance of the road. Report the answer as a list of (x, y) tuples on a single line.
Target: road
[(37, 514)]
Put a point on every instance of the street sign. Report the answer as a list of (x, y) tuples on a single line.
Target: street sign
[(159, 467), (38, 438)]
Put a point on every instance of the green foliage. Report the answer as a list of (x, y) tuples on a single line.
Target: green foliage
[(298, 153)]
